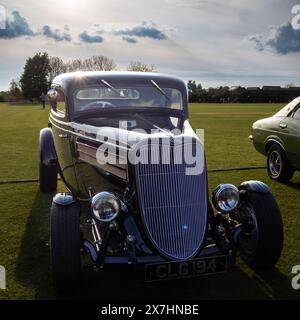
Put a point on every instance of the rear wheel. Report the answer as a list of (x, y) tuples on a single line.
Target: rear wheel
[(278, 165), (65, 246), (261, 238)]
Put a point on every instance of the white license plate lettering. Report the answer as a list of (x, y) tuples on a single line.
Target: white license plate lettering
[(191, 268)]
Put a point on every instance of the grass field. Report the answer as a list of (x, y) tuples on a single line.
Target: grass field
[(24, 213)]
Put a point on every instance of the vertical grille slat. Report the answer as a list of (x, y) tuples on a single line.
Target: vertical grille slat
[(173, 205)]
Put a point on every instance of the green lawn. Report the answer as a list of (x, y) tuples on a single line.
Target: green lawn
[(24, 213)]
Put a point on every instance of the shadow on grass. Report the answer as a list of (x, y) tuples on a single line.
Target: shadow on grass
[(293, 185), (33, 265), (33, 270), (277, 284), (236, 284)]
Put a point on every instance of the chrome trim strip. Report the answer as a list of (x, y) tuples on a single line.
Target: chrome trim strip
[(71, 124)]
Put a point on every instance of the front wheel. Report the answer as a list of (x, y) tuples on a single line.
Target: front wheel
[(65, 246), (261, 239), (47, 177)]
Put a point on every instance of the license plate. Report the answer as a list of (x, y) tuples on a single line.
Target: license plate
[(185, 269)]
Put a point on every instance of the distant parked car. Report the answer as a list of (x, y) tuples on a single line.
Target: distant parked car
[(278, 137)]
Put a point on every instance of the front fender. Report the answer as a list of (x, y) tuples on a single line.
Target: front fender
[(272, 139), (64, 199), (47, 150), (254, 185)]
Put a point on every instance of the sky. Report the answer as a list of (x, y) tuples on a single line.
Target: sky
[(216, 43)]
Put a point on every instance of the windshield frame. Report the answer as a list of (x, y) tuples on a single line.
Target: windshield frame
[(73, 80), (132, 86)]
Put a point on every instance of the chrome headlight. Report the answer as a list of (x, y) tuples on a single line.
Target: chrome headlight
[(226, 197), (105, 206)]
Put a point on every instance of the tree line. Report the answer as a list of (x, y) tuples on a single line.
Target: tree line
[(241, 94), (41, 69)]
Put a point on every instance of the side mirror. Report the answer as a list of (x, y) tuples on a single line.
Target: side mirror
[(52, 95)]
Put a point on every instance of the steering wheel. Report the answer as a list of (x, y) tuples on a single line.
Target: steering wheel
[(97, 104)]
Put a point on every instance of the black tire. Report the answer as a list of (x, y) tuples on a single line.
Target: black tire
[(264, 250), (65, 246), (47, 177), (278, 166)]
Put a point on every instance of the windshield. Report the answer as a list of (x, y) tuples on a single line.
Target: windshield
[(107, 96), (284, 112)]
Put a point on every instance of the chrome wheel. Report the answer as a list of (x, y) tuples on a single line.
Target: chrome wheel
[(275, 163)]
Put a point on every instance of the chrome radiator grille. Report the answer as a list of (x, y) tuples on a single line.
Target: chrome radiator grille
[(173, 205)]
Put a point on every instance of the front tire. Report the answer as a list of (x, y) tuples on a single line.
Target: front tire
[(261, 238), (65, 246), (47, 177), (278, 165)]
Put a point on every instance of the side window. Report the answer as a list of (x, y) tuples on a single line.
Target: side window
[(296, 114), (59, 105)]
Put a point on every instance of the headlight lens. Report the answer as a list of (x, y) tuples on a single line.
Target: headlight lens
[(105, 206), (226, 197)]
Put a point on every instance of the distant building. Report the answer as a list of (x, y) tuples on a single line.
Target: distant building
[(253, 88), (271, 88), (263, 94), (250, 94), (293, 89), (236, 89)]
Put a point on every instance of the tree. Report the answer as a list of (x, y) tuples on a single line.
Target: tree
[(140, 66), (95, 63), (4, 96), (192, 86), (57, 66), (14, 87), (102, 63), (35, 78), (74, 65), (195, 91), (15, 93), (289, 85)]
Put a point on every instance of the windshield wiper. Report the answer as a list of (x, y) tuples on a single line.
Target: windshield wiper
[(111, 87), (159, 89)]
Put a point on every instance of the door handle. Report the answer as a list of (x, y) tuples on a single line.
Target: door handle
[(283, 125), (64, 136)]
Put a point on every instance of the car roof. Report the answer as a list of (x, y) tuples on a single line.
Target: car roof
[(285, 111), (73, 80)]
